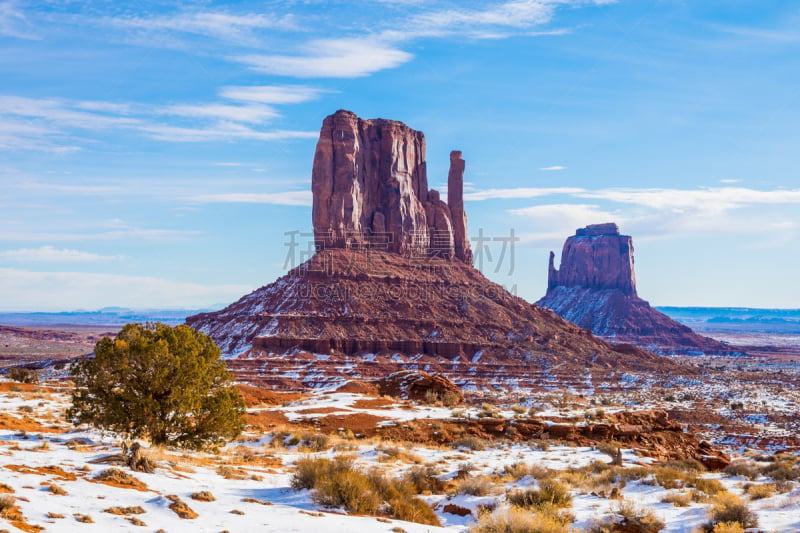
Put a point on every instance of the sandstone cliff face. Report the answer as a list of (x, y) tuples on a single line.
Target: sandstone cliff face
[(370, 189), (595, 288)]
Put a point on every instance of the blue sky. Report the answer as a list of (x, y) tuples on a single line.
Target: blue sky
[(154, 154)]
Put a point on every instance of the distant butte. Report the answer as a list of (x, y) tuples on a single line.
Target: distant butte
[(595, 288)]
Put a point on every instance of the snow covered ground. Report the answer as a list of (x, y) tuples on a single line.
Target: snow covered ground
[(250, 479)]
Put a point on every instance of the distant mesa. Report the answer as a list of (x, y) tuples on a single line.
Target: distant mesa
[(391, 286), (595, 288)]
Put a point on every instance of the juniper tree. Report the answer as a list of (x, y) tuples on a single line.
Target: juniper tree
[(161, 383)]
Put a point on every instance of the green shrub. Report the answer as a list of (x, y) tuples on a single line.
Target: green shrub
[(165, 384)]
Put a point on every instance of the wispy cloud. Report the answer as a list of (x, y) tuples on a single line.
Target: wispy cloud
[(57, 291), (51, 123), (553, 168), (13, 22), (272, 94), (50, 254), (254, 114), (520, 192), (302, 198), (553, 222), (126, 233), (217, 25), (331, 58), (651, 213), (711, 200)]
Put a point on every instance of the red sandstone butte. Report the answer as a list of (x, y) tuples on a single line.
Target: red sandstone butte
[(595, 288)]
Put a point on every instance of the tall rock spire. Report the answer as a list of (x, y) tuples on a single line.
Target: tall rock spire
[(370, 189)]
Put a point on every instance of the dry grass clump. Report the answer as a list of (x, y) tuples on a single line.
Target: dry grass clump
[(83, 518), (549, 494), (678, 499), (475, 444), (476, 486), (338, 483), (180, 508), (782, 468), (6, 504), (670, 477), (56, 490), (125, 510), (516, 520), (315, 442), (759, 492), (203, 496), (425, 479), (728, 527), (727, 507), (54, 516), (520, 470), (712, 487), (116, 477), (629, 518), (6, 489), (390, 454), (742, 468)]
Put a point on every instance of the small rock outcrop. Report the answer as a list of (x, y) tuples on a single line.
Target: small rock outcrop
[(595, 288), (370, 189)]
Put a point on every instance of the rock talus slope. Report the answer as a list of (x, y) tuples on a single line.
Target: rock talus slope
[(595, 288)]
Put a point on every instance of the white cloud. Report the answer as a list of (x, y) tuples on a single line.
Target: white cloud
[(553, 168), (656, 213), (222, 26), (24, 290), (115, 234), (497, 21), (303, 198), (271, 94), (43, 123), (222, 131), (331, 58), (255, 114), (519, 192), (553, 222), (50, 254), (710, 200), (13, 22)]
